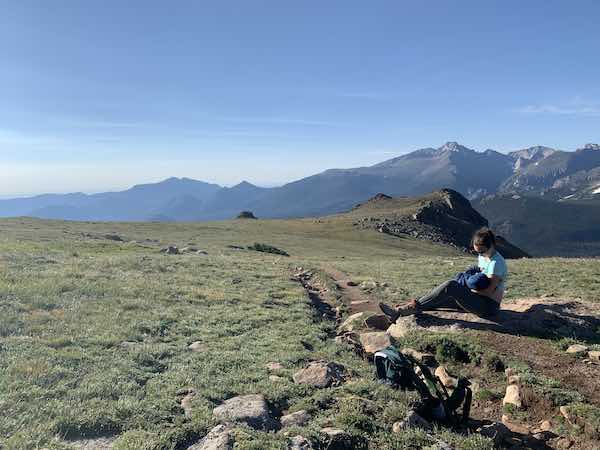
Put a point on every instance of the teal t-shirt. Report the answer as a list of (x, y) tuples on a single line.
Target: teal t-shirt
[(496, 265)]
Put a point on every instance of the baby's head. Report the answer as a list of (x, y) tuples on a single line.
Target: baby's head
[(478, 281)]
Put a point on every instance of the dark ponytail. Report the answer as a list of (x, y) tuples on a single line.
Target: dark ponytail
[(484, 237)]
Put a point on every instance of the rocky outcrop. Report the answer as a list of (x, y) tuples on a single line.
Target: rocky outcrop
[(249, 409)]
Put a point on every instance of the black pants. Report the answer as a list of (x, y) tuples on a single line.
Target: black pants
[(452, 295)]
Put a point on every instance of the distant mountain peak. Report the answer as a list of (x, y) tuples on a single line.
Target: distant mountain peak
[(591, 147), (452, 146)]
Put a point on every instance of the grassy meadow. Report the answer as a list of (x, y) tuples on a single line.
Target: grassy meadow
[(94, 332)]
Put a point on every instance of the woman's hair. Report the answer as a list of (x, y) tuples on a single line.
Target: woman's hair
[(484, 237)]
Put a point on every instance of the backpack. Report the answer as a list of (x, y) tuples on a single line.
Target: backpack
[(400, 371)]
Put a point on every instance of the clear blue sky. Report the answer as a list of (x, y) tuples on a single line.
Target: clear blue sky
[(99, 95)]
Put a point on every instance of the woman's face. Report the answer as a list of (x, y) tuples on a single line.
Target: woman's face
[(481, 249)]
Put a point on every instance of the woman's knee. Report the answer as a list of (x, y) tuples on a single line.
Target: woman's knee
[(449, 285)]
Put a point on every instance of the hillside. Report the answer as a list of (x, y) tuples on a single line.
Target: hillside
[(545, 227), (107, 342)]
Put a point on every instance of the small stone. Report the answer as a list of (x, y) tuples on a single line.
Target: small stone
[(274, 366), (219, 438), (445, 378), (351, 283), (577, 349), (594, 356), (320, 374), (170, 250), (249, 409), (378, 322), (513, 396), (335, 434), (565, 411), (546, 425), (374, 341), (186, 403), (368, 285), (298, 419), (276, 379), (509, 371), (197, 346)]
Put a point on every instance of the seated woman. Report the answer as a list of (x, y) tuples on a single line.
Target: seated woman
[(481, 301)]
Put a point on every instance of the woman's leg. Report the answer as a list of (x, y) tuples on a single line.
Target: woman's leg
[(450, 294)]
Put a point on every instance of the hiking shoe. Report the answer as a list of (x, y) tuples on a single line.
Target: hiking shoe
[(408, 309), (389, 311)]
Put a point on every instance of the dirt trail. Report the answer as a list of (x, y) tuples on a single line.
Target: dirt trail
[(353, 296)]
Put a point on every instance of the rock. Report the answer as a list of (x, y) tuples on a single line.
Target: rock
[(445, 378), (186, 403), (374, 341), (351, 283), (352, 323), (276, 379), (513, 396), (274, 366), (378, 322), (402, 327), (300, 443), (219, 438), (320, 374), (412, 420), (298, 419), (577, 349), (197, 347), (368, 285), (515, 427), (424, 358), (565, 411), (594, 356), (246, 215), (189, 250), (514, 379), (170, 250), (509, 371), (546, 425), (249, 409), (496, 431)]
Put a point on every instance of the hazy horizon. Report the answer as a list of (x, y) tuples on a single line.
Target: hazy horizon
[(102, 96)]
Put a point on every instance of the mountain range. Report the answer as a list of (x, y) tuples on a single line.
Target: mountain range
[(484, 177)]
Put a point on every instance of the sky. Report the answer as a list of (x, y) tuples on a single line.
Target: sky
[(100, 95)]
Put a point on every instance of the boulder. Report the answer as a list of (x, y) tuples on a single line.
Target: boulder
[(513, 396), (338, 439), (378, 322), (249, 409), (578, 349), (320, 374), (374, 341), (412, 420), (219, 438), (299, 418), (300, 443)]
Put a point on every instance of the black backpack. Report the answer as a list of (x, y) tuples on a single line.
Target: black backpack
[(399, 371)]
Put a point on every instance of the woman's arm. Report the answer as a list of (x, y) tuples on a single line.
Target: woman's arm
[(488, 291)]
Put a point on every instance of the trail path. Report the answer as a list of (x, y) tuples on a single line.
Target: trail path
[(352, 295)]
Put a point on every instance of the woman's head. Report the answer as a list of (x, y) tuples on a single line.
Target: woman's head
[(483, 241)]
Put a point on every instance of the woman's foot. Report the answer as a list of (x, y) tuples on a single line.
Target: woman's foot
[(406, 309)]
